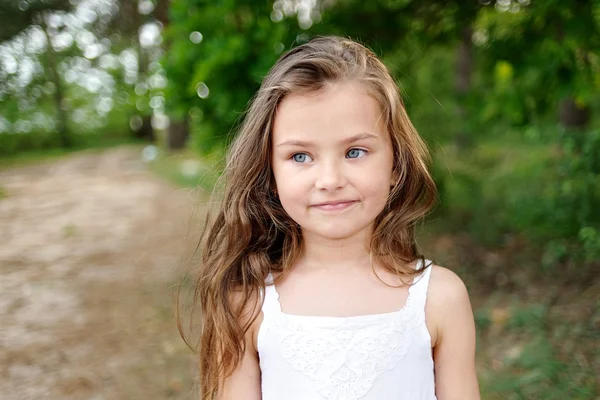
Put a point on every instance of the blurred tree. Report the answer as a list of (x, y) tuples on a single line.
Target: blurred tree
[(179, 128), (128, 22), (543, 61), (399, 28), (237, 39), (550, 52), (16, 16), (218, 54), (387, 24), (54, 77)]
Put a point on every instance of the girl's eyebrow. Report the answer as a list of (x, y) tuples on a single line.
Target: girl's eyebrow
[(355, 138)]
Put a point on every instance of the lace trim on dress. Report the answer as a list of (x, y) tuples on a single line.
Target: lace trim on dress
[(345, 355)]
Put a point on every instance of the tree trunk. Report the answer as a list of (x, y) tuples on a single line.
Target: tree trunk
[(572, 115), (178, 133), (127, 19), (462, 83), (61, 114), (464, 63), (161, 12), (146, 132), (179, 130)]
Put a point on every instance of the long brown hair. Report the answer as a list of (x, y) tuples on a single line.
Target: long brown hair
[(251, 235)]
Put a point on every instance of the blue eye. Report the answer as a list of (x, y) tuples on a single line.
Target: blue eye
[(356, 153), (301, 158)]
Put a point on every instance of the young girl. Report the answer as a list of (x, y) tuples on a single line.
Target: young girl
[(311, 285)]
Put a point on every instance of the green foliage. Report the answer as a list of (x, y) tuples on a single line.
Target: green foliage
[(213, 80), (552, 49), (532, 319), (537, 354), (113, 129), (535, 374), (569, 209), (545, 190), (482, 320), (186, 170), (590, 238), (489, 191), (16, 16), (12, 143), (82, 142), (387, 25)]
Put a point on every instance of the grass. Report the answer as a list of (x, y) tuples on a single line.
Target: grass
[(34, 156), (88, 142), (533, 353), (538, 332), (185, 169), (538, 335)]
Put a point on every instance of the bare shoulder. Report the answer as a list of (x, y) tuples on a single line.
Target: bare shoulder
[(447, 302), (446, 289), (450, 320)]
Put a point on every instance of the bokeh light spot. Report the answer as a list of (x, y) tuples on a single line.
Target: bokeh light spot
[(276, 15), (202, 90), (196, 37)]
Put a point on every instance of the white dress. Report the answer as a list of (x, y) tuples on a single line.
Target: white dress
[(367, 357)]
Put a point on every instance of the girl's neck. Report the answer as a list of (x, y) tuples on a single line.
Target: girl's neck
[(319, 252)]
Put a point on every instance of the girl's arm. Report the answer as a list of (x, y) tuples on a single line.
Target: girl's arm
[(454, 347), (244, 383)]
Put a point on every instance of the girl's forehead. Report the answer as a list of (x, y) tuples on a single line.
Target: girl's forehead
[(340, 111)]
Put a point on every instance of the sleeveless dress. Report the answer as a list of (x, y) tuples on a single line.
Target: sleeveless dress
[(367, 357)]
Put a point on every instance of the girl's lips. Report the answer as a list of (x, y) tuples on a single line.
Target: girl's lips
[(335, 206)]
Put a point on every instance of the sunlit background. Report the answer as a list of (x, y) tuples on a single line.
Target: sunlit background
[(115, 117)]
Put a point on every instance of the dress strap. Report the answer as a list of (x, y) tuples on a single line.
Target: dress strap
[(271, 299), (420, 284)]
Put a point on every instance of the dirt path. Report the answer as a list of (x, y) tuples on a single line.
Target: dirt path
[(89, 250)]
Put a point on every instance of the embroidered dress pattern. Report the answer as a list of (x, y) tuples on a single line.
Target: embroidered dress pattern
[(344, 356)]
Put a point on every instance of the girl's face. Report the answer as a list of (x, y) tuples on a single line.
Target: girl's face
[(332, 160)]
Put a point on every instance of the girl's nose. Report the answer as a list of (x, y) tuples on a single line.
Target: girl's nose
[(330, 177)]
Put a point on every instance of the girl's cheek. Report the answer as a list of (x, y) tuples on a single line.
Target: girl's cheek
[(378, 188)]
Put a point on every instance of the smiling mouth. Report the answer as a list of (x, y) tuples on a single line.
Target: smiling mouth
[(335, 206)]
